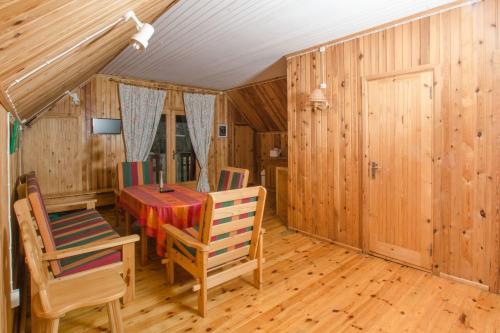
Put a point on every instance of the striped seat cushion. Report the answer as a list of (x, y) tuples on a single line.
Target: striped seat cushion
[(81, 228), (42, 218), (230, 180)]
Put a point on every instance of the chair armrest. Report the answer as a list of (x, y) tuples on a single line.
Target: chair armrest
[(55, 208), (91, 247), (184, 238)]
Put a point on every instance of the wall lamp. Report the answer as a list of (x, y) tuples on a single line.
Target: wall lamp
[(317, 96), (139, 41)]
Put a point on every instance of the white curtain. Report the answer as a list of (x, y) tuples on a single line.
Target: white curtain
[(200, 117), (141, 111)]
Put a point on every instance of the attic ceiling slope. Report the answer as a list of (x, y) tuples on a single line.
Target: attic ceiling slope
[(222, 44), (263, 105), (34, 31)]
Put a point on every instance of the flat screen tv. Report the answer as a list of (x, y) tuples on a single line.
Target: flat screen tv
[(106, 126)]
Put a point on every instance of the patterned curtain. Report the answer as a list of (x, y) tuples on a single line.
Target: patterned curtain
[(141, 111), (200, 117)]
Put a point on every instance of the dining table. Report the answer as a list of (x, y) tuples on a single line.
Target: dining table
[(182, 207)]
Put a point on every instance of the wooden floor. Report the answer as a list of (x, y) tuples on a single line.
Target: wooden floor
[(310, 286)]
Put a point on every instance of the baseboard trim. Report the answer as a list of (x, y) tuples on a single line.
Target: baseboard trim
[(349, 247), (465, 281)]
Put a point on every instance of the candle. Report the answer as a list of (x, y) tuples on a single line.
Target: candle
[(161, 180)]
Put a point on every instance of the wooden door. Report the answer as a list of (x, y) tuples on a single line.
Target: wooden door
[(398, 124), (244, 151)]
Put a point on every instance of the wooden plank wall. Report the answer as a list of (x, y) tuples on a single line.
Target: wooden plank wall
[(325, 145), (68, 158), (262, 104), (61, 24), (5, 311)]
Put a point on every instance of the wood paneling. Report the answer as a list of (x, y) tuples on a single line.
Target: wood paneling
[(69, 159), (244, 150), (263, 105), (282, 193), (32, 32), (325, 165), (5, 311)]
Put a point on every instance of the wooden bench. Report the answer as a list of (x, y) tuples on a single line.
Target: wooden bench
[(77, 232)]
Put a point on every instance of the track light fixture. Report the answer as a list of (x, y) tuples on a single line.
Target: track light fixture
[(140, 39)]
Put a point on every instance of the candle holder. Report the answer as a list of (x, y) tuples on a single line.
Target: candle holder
[(162, 188)]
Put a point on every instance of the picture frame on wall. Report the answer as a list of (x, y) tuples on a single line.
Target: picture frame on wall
[(222, 133)]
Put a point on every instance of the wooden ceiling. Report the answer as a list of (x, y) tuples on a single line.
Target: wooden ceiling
[(263, 105), (34, 31)]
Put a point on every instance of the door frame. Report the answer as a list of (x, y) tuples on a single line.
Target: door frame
[(365, 170)]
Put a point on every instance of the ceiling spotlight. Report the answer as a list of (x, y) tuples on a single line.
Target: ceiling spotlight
[(140, 39)]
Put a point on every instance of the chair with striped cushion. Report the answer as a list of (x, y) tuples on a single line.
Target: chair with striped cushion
[(84, 229), (135, 173), (228, 243), (132, 174), (232, 179)]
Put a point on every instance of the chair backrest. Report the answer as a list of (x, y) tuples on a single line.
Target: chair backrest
[(33, 251), (42, 218), (135, 173), (232, 224), (232, 179)]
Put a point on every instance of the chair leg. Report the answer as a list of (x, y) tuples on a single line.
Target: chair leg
[(144, 247), (51, 325), (170, 263), (115, 317), (257, 274), (129, 272), (127, 223), (202, 261)]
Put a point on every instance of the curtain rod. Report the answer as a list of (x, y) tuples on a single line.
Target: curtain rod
[(167, 86)]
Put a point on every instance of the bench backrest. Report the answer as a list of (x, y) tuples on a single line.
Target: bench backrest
[(42, 218)]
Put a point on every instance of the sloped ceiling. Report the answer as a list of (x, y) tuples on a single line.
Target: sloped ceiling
[(264, 105), (222, 44), (34, 31)]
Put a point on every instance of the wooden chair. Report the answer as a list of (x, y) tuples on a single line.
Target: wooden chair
[(132, 174), (52, 299), (232, 178), (228, 243)]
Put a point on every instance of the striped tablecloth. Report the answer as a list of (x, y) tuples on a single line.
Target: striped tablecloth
[(181, 208)]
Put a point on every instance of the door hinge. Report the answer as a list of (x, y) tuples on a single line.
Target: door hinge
[(430, 250)]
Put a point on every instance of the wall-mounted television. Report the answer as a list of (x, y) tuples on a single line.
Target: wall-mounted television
[(106, 126)]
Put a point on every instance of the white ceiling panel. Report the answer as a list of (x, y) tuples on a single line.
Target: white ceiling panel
[(226, 43)]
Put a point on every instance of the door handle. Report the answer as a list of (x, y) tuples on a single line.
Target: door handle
[(374, 167)]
